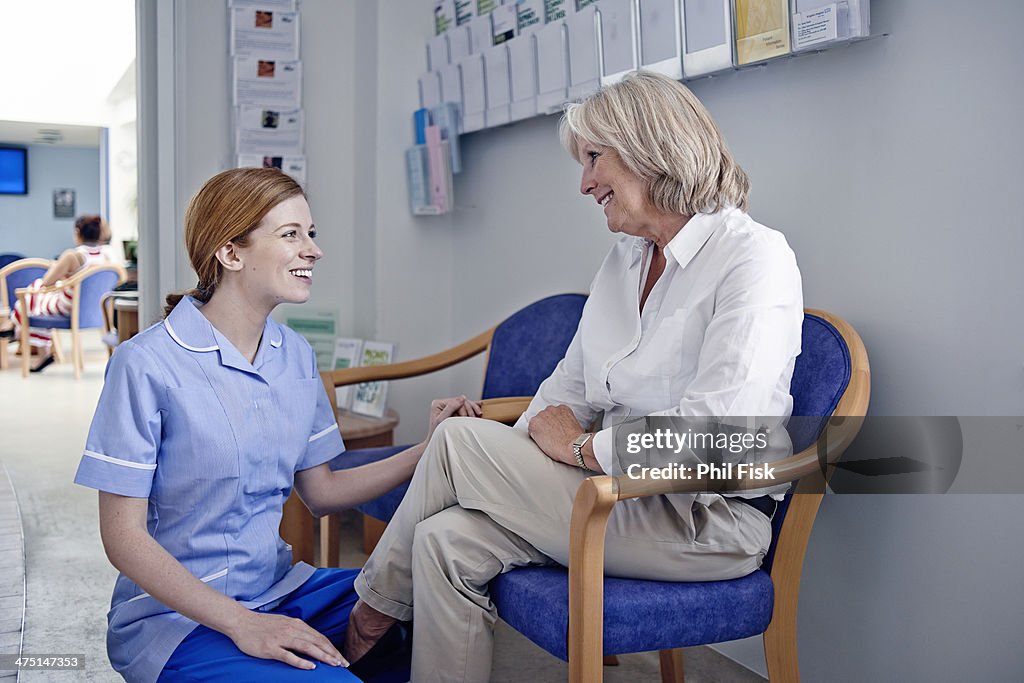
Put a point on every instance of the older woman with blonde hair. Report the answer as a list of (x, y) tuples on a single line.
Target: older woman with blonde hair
[(696, 311), (206, 421)]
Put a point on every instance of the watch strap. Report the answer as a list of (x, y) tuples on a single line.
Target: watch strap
[(577, 449)]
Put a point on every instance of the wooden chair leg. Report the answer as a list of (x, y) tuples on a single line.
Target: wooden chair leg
[(297, 529), (26, 348), (373, 529), (56, 348), (611, 660), (671, 665), (780, 650), (77, 357), (4, 361)]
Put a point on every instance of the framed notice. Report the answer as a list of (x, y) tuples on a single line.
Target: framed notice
[(63, 203)]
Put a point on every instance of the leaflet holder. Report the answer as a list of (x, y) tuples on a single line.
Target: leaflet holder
[(661, 43), (522, 59), (707, 37), (474, 97), (619, 39), (498, 86), (552, 67), (430, 89), (584, 35)]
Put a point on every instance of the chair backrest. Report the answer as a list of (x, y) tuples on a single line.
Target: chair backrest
[(10, 257), (90, 311), (528, 344), (22, 277), (820, 376)]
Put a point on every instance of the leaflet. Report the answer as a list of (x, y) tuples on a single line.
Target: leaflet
[(267, 82), (266, 33), (295, 166), (262, 130)]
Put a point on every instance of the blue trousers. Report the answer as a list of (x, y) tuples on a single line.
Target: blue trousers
[(324, 602)]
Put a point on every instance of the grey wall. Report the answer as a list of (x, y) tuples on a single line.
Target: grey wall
[(890, 165), (27, 225)]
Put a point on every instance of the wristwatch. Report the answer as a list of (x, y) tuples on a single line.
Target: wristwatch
[(577, 449)]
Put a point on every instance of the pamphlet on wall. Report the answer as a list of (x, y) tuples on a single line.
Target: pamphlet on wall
[(283, 5), (263, 130), (318, 327), (265, 33), (295, 166), (504, 21), (347, 353), (444, 16), (816, 22), (762, 30), (555, 9), (268, 82), (371, 397), (529, 16)]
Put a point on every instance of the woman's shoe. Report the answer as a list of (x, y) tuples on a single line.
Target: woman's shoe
[(45, 363), (391, 654)]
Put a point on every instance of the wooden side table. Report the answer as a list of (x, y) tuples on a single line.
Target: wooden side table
[(297, 525), (127, 308)]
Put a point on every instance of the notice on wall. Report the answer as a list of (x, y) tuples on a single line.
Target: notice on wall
[(270, 82), (295, 166), (264, 130), (266, 33)]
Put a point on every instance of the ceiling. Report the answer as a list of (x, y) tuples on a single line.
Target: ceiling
[(22, 133)]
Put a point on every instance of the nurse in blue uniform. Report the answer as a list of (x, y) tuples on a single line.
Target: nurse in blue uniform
[(206, 421)]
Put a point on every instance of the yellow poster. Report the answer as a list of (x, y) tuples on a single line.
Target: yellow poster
[(762, 30)]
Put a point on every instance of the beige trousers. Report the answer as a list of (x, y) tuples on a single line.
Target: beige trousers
[(484, 499)]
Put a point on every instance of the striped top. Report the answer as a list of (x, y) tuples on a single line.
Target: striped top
[(214, 443)]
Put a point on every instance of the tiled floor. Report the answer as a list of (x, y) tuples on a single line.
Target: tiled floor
[(43, 424), (12, 574)]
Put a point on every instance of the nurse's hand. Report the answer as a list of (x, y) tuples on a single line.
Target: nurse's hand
[(275, 636), (443, 408)]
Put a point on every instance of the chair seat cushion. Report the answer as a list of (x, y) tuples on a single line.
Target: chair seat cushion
[(382, 508), (639, 616), (50, 322)]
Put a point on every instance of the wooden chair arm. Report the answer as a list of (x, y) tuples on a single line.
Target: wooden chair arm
[(506, 409), (77, 277), (16, 266), (24, 263), (409, 368)]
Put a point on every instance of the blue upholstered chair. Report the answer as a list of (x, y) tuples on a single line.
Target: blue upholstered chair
[(521, 352), (563, 610), (9, 257), (87, 287), (13, 276)]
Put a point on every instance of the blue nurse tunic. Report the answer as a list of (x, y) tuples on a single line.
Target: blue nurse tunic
[(214, 443)]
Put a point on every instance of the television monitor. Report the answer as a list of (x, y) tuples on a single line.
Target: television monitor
[(13, 170)]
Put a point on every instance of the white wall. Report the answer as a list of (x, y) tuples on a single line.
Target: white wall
[(27, 225), (892, 167)]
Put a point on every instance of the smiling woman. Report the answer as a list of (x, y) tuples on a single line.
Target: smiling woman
[(206, 422)]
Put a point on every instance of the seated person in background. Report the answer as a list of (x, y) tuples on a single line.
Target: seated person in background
[(91, 237), (696, 311), (205, 423)]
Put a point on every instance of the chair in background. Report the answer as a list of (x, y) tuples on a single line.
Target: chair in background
[(87, 287), (109, 331), (9, 257), (579, 615), (13, 276), (521, 352)]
